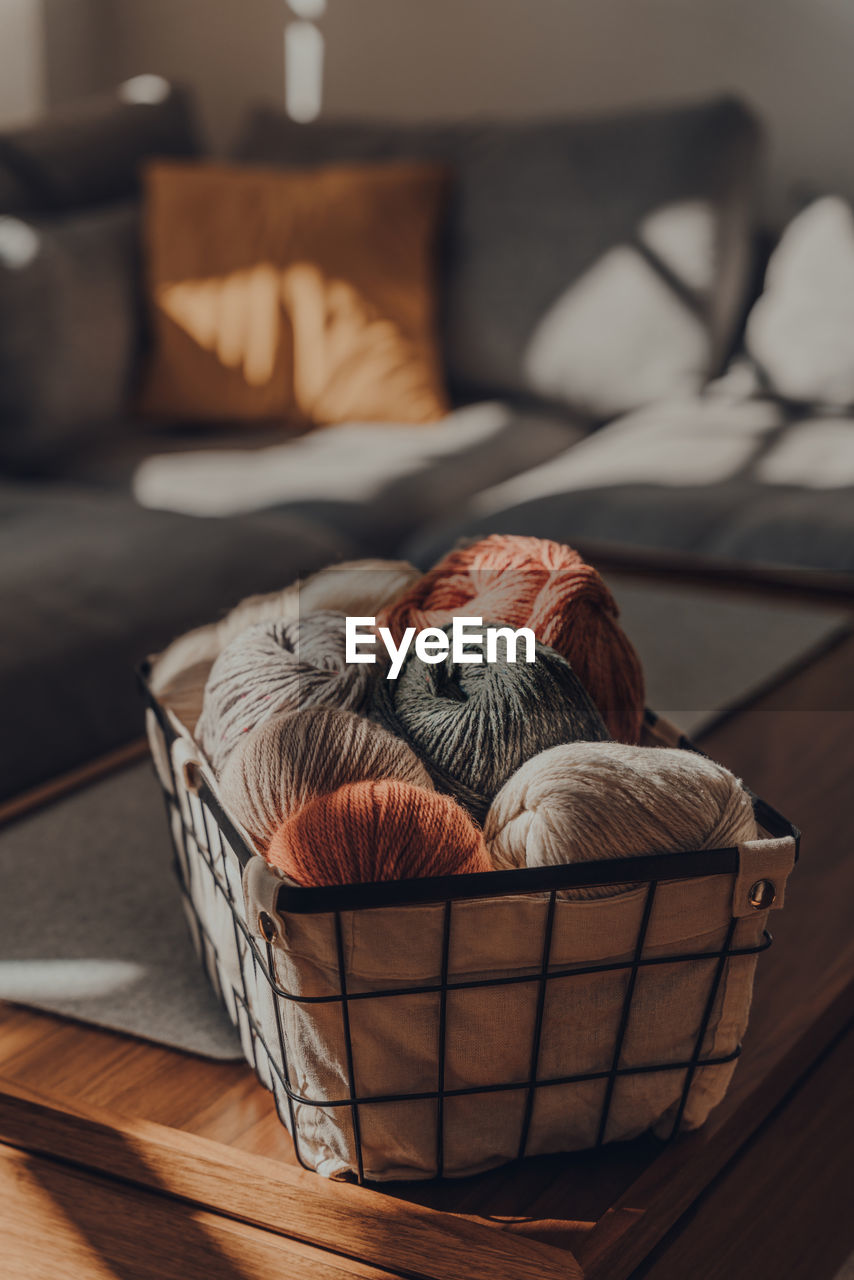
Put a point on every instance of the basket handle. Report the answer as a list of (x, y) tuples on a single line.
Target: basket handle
[(186, 762), (261, 885), (764, 867)]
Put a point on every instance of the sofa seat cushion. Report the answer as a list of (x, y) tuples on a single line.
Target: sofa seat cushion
[(746, 480), (91, 583), (600, 262), (374, 483)]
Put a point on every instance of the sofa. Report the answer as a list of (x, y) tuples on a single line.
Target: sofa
[(594, 278)]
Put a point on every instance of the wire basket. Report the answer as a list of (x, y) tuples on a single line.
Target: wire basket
[(442, 1026)]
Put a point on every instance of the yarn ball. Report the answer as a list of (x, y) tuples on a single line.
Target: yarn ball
[(473, 725), (590, 800), (369, 831), (283, 764), (545, 586), (356, 587), (274, 667)]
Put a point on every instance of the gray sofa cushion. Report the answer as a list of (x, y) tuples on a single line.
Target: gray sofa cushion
[(90, 152), (69, 330), (90, 584), (538, 208), (745, 481)]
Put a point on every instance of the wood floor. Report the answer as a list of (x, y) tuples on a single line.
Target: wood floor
[(718, 1203)]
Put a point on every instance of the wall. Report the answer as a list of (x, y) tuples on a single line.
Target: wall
[(22, 70), (232, 50), (410, 59), (79, 47)]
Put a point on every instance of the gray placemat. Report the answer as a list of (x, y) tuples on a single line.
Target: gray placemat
[(90, 918), (91, 923)]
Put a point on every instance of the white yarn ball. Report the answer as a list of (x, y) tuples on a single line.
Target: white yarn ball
[(585, 801)]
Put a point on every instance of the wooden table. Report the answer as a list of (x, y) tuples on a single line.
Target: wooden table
[(124, 1159)]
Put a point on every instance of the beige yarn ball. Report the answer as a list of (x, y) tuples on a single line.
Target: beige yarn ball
[(361, 587), (274, 667), (591, 800), (290, 760)]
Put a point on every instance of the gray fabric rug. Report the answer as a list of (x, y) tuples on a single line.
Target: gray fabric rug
[(91, 923), (90, 919)]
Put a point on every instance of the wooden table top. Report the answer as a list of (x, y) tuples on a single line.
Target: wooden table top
[(81, 1098)]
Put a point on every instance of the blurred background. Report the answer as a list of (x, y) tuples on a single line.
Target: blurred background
[(286, 282)]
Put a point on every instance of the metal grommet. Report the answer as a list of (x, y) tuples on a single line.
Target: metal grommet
[(266, 926), (762, 895), (192, 776)]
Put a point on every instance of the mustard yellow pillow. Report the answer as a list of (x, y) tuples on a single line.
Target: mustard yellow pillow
[(307, 296)]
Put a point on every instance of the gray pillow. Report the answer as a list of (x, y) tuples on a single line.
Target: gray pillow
[(69, 330), (90, 151), (599, 263)]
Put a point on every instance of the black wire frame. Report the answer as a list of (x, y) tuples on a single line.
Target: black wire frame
[(212, 833)]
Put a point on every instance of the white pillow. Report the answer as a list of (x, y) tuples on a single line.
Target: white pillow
[(801, 331), (621, 336)]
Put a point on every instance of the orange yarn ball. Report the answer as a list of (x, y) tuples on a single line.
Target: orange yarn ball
[(532, 582), (369, 831)]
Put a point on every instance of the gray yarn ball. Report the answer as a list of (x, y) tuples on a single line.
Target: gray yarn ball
[(591, 800), (474, 725), (275, 770), (274, 667)]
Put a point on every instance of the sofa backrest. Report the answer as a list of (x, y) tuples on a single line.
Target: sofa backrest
[(539, 207)]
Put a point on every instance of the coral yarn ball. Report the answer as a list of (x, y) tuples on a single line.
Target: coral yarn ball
[(548, 587), (370, 831)]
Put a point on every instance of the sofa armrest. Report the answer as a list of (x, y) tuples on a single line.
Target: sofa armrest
[(90, 152)]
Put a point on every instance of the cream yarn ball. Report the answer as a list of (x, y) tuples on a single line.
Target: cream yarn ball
[(585, 801), (275, 770)]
